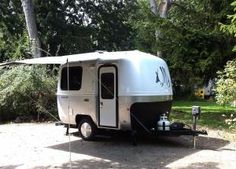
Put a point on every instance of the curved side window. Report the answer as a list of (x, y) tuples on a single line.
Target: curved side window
[(166, 79), (75, 78)]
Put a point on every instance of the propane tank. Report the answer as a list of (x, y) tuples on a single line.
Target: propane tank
[(163, 124)]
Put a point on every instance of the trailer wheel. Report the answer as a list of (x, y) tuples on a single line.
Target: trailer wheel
[(87, 129)]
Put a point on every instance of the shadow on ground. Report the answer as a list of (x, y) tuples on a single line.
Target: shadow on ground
[(9, 167), (117, 151), (209, 165)]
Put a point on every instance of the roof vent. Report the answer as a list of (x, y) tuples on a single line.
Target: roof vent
[(101, 51)]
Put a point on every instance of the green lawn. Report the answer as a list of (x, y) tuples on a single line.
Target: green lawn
[(213, 115)]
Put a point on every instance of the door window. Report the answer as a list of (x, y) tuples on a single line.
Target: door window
[(107, 86)]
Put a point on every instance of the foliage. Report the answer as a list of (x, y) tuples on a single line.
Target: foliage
[(226, 84), (64, 27), (231, 27), (68, 27), (13, 37), (26, 91), (190, 38), (213, 115)]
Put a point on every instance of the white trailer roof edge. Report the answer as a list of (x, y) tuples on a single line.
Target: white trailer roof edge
[(93, 56)]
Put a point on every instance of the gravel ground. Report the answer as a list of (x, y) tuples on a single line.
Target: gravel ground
[(35, 146)]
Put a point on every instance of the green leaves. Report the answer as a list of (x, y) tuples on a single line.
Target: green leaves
[(230, 27), (26, 90), (226, 84), (14, 43), (84, 26), (190, 38), (67, 27)]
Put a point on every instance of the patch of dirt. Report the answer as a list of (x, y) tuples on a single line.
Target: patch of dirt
[(35, 146)]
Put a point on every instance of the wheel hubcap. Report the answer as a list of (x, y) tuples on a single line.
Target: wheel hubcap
[(86, 129)]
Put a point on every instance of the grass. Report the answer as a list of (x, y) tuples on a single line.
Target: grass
[(212, 115)]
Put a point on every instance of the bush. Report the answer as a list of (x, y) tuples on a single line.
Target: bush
[(27, 91), (226, 84)]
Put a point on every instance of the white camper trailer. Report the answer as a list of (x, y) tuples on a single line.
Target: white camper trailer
[(111, 90)]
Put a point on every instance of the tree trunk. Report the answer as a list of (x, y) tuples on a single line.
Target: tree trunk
[(160, 10), (153, 6), (154, 9), (28, 9), (164, 6)]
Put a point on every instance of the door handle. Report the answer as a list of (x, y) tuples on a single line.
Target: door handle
[(86, 100), (101, 103), (64, 97)]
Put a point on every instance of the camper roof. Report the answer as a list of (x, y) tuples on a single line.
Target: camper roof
[(99, 56)]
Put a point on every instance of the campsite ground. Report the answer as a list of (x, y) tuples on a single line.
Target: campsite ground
[(45, 146)]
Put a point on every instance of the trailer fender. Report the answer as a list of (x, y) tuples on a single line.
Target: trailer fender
[(79, 117)]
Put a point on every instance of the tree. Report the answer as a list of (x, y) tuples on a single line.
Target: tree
[(28, 9), (231, 27), (163, 8), (68, 27), (226, 79), (26, 91), (13, 35), (226, 84), (191, 40)]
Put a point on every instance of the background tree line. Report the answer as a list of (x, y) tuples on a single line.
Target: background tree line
[(195, 39), (68, 27)]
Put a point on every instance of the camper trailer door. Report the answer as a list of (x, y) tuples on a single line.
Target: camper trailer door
[(108, 116)]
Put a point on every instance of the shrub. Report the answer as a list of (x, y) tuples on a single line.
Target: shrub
[(27, 91), (226, 84)]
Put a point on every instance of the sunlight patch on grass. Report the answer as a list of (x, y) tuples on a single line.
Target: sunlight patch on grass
[(212, 116)]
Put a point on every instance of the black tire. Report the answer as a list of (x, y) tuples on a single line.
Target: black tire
[(87, 129)]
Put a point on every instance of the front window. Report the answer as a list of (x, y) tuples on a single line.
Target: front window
[(75, 78)]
